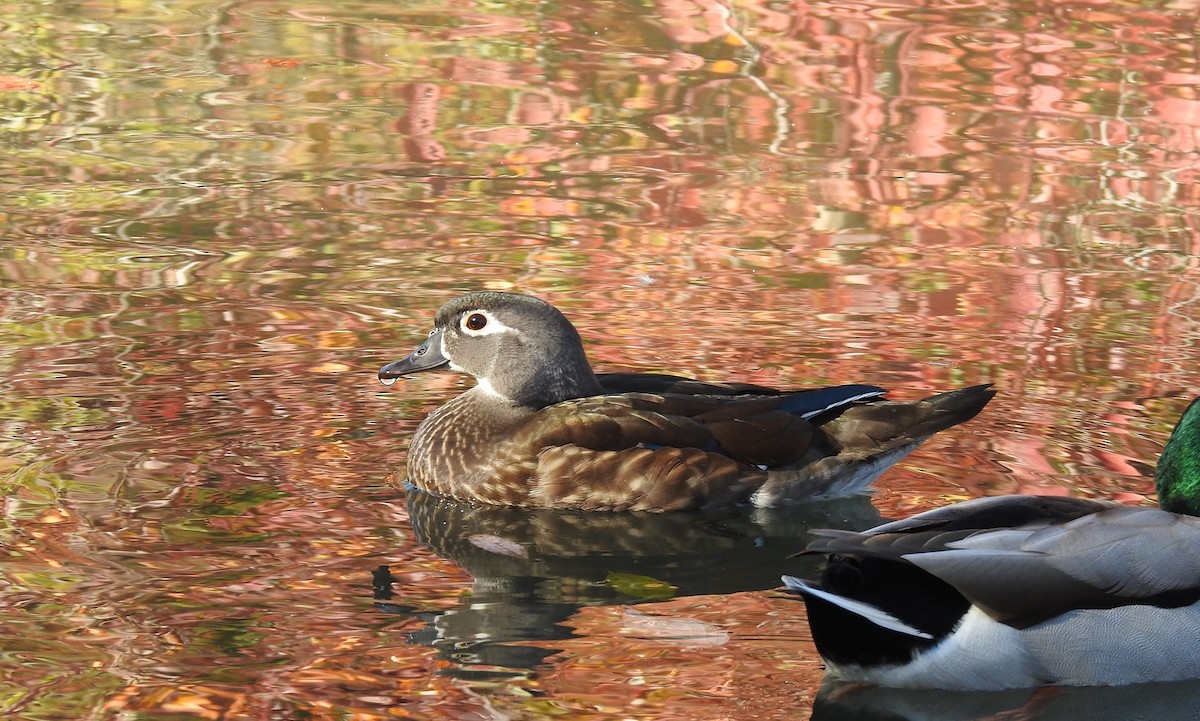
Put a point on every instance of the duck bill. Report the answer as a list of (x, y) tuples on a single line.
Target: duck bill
[(427, 356)]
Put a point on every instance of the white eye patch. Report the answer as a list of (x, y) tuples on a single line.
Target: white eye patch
[(481, 323)]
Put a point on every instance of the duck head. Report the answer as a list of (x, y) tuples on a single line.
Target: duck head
[(1177, 475), (517, 347)]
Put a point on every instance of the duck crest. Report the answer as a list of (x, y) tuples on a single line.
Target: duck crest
[(542, 429)]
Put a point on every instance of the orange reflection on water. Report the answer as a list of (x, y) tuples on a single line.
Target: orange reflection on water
[(736, 656), (221, 220)]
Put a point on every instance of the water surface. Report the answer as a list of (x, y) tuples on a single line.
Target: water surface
[(219, 219)]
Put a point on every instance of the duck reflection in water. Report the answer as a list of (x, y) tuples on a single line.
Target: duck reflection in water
[(533, 569), (842, 701)]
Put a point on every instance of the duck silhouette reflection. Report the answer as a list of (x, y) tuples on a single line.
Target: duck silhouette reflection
[(534, 568), (841, 701)]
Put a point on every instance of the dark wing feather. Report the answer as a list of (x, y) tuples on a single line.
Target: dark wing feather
[(749, 430), (867, 429), (769, 439), (664, 383)]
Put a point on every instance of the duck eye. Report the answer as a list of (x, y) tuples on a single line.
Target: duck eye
[(475, 321)]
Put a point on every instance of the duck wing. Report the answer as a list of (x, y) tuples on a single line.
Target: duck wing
[(640, 451), (838, 425), (1027, 559), (679, 385), (935, 530), (670, 451), (1116, 557), (718, 444)]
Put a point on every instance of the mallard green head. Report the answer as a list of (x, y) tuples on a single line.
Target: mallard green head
[(1177, 476)]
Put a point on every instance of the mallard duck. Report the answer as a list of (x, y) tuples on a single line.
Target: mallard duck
[(1019, 591), (541, 429)]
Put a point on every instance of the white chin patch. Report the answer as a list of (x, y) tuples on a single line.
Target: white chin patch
[(388, 381), (486, 386)]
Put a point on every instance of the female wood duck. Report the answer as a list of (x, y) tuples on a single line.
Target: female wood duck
[(1020, 591), (541, 429)]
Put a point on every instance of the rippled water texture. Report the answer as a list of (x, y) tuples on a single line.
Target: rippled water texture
[(219, 219)]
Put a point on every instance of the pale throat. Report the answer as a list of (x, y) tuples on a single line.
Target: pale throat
[(484, 386)]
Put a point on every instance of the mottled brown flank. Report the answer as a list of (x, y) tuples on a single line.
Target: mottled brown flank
[(640, 479), (647, 451)]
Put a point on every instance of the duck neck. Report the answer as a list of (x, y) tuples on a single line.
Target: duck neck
[(543, 378), (557, 383), (1177, 475)]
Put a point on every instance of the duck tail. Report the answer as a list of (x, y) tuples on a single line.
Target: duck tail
[(952, 407), (864, 441)]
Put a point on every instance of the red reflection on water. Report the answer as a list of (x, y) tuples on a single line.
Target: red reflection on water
[(211, 249)]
